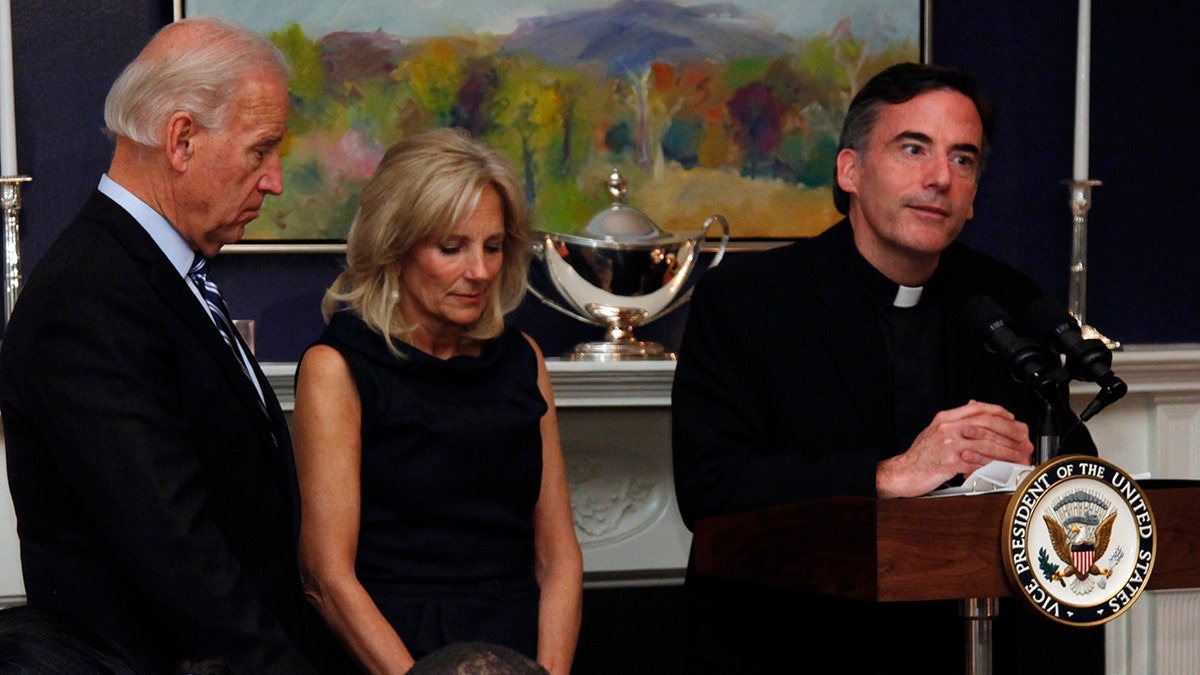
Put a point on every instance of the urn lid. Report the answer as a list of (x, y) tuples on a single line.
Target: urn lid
[(621, 222)]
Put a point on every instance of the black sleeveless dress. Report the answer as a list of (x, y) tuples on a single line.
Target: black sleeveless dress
[(451, 470)]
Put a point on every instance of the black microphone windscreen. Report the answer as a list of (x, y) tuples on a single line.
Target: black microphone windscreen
[(981, 314), (1024, 360), (1089, 360)]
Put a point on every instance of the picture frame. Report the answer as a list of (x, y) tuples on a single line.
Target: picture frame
[(730, 109)]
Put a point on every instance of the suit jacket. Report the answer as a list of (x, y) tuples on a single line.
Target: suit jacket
[(155, 502)]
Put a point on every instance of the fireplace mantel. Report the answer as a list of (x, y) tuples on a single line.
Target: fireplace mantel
[(577, 384)]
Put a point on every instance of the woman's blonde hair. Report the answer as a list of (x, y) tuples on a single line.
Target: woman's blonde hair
[(424, 186)]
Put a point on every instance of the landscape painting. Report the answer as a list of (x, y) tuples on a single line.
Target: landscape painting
[(728, 108)]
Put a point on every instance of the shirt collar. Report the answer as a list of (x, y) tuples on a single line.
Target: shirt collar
[(884, 290), (168, 239)]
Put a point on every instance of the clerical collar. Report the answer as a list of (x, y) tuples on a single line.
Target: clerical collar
[(907, 296), (884, 290)]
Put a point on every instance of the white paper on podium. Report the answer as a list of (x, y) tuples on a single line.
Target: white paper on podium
[(996, 476)]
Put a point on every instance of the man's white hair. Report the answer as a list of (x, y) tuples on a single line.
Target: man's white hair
[(200, 78)]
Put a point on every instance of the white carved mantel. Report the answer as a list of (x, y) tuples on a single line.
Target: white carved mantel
[(615, 422)]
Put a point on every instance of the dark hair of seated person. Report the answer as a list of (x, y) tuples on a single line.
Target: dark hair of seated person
[(476, 658), (36, 641), (203, 667)]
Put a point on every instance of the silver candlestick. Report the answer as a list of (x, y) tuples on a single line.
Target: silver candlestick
[(10, 197), (1081, 202)]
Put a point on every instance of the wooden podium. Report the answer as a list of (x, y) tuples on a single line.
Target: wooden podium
[(930, 548)]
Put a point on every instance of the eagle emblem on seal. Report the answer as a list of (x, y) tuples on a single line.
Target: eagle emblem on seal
[(1080, 527)]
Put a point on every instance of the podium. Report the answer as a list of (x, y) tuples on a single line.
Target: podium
[(928, 548)]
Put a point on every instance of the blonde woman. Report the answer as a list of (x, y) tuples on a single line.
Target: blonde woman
[(434, 499)]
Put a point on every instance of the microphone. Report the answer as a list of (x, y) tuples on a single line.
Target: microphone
[(1023, 358), (1089, 360)]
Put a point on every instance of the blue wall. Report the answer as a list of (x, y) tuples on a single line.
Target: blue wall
[(1143, 239)]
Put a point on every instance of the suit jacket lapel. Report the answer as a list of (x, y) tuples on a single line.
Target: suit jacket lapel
[(851, 332), (172, 288)]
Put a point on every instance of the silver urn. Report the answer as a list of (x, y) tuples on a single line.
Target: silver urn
[(621, 271)]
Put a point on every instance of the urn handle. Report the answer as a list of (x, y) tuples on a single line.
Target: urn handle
[(686, 295)]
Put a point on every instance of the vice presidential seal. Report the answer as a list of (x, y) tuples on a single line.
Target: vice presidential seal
[(1079, 540)]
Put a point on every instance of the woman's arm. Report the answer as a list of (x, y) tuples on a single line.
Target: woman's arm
[(559, 562), (328, 446)]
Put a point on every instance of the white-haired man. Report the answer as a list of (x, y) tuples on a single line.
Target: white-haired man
[(149, 462)]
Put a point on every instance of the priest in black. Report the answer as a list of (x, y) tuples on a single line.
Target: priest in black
[(842, 365)]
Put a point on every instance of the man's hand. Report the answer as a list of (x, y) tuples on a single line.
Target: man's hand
[(958, 441)]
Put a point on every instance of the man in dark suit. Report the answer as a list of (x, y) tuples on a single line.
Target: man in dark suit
[(842, 365), (149, 461)]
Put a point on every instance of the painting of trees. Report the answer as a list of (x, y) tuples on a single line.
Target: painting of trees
[(701, 113)]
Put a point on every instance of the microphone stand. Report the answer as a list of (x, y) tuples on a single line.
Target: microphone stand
[(980, 612), (1048, 435), (1056, 413)]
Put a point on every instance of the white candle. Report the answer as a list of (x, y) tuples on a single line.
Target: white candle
[(1083, 61), (8, 115)]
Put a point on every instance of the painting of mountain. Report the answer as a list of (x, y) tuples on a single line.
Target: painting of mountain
[(726, 107)]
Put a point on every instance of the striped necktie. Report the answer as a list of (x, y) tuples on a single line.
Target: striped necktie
[(219, 312)]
